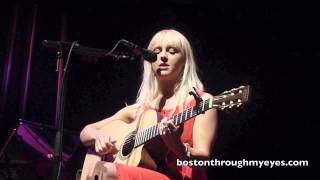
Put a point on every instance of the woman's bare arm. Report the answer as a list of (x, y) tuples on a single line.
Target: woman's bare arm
[(204, 133), (91, 131)]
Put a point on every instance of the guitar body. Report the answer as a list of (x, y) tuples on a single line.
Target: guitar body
[(121, 132)]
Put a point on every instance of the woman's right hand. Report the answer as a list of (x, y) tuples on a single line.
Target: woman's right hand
[(104, 143)]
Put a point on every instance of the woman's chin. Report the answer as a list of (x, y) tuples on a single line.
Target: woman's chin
[(163, 72)]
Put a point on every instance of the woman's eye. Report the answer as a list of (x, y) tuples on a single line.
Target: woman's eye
[(157, 51), (172, 51)]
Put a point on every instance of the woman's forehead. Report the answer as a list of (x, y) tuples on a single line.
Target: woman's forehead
[(167, 39)]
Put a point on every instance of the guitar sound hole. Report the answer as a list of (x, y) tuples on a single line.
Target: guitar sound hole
[(128, 145)]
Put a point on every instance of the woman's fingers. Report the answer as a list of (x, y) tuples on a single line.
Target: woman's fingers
[(167, 126), (98, 146), (161, 128), (172, 126), (104, 144)]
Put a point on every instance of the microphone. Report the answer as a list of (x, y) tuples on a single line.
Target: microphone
[(148, 55)]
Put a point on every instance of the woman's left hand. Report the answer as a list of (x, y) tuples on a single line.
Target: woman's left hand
[(169, 132)]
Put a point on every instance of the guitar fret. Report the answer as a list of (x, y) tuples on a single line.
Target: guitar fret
[(206, 104), (148, 133), (178, 118), (155, 130), (202, 108), (143, 136), (140, 138), (189, 113), (194, 111), (183, 116), (137, 141), (151, 132), (175, 119)]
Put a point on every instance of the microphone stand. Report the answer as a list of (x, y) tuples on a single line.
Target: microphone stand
[(62, 86), (61, 92), (57, 154)]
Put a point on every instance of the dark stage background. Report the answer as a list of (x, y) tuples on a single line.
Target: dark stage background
[(270, 45)]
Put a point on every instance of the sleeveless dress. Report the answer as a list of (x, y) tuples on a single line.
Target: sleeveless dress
[(175, 172)]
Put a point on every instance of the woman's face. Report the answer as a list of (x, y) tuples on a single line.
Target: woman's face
[(170, 60)]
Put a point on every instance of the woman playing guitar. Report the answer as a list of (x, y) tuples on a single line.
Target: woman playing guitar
[(164, 92)]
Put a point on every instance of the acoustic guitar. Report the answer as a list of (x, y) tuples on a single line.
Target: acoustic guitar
[(130, 141)]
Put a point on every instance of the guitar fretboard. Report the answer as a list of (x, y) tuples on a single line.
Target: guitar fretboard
[(153, 131)]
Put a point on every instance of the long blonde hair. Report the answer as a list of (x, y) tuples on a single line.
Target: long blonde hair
[(189, 78)]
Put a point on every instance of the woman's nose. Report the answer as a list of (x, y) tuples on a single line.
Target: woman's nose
[(163, 56)]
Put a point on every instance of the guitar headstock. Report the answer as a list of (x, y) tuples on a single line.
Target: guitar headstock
[(232, 98)]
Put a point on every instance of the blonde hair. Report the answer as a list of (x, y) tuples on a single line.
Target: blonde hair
[(189, 77)]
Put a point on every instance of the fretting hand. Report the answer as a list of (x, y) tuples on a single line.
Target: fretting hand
[(169, 132)]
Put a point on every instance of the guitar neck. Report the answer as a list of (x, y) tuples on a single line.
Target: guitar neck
[(153, 131)]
